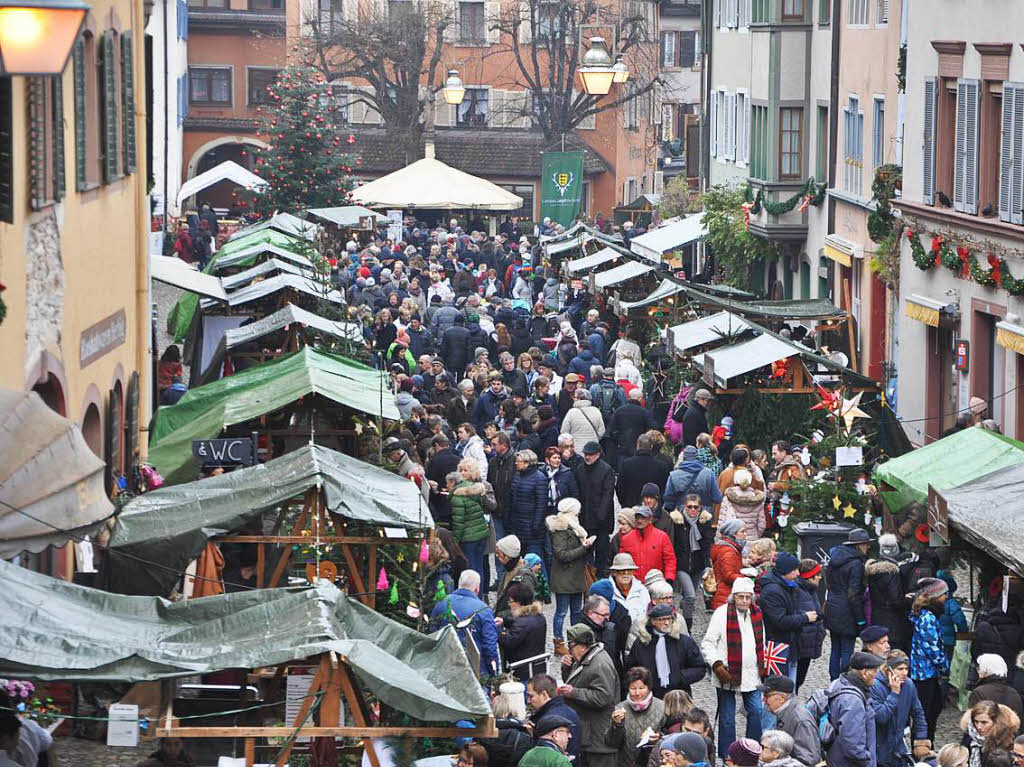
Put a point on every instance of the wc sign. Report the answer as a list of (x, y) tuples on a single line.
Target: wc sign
[(233, 451)]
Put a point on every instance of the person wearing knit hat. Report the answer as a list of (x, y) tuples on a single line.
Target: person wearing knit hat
[(570, 546), (683, 748), (743, 752), (509, 547), (727, 559), (653, 576), (929, 662), (779, 600)]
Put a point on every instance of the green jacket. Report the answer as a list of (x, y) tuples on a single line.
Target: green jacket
[(541, 756), (401, 354), (468, 521)]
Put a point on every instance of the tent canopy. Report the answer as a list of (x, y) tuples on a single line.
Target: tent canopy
[(171, 270), (669, 236), (48, 472), (984, 509), (707, 330), (789, 309), (666, 289), (149, 638), (946, 463), (621, 273), (252, 254), (246, 276), (281, 222), (226, 171), (345, 216), (171, 525), (735, 360), (263, 288), (430, 184), (207, 410), (578, 265), (554, 248)]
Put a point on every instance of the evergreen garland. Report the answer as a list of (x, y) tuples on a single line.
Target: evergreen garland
[(815, 193), (963, 263)]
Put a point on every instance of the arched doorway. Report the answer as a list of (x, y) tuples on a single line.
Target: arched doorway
[(52, 393), (92, 429), (238, 149)]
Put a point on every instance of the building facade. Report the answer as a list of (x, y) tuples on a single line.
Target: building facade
[(680, 61), (963, 195), (168, 31), (73, 221)]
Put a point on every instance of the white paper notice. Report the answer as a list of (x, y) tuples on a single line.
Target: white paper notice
[(123, 726), (395, 532), (849, 456)]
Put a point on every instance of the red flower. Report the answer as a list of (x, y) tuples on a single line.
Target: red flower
[(910, 234)]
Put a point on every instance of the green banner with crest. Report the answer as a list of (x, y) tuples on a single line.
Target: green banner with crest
[(561, 188)]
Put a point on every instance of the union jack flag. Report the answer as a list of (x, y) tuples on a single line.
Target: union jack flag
[(776, 655)]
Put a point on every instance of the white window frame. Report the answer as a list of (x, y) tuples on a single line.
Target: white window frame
[(742, 127), (878, 136), (853, 145), (860, 14), (488, 115)]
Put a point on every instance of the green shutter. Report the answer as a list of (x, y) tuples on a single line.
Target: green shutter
[(128, 101), (35, 93), (81, 151), (109, 109), (6, 151), (58, 137)]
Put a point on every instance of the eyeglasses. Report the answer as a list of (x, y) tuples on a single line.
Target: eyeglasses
[(603, 615), (692, 506), (1016, 757)]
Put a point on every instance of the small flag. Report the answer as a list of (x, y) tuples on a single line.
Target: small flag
[(776, 655)]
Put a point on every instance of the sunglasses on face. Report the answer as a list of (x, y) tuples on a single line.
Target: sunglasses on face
[(691, 506)]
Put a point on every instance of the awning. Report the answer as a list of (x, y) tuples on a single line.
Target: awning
[(51, 483), (271, 265), (264, 237), (669, 236), (946, 463), (171, 270), (253, 252), (207, 410), (554, 248), (840, 250), (430, 184), (88, 635), (345, 216), (924, 309), (666, 289), (984, 509), (578, 265), (272, 323), (226, 171), (707, 330), (621, 273), (281, 222), (171, 526), (732, 361), (1010, 336), (794, 310), (278, 282)]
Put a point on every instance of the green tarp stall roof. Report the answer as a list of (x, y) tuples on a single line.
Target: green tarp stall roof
[(207, 410), (51, 483), (985, 509), (171, 525), (641, 202), (309, 286), (55, 630), (281, 222), (946, 463), (788, 309), (280, 319), (246, 276), (344, 216), (252, 255), (265, 237)]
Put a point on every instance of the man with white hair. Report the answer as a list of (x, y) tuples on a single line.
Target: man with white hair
[(589, 325), (464, 603), (993, 685), (777, 750)]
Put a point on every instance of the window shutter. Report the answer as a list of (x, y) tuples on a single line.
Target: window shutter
[(687, 46), (696, 49), (713, 125), (668, 49), (928, 163), (183, 19), (1006, 152), (81, 156), (733, 19), (59, 186), (659, 181), (128, 101), (746, 132), (36, 103), (973, 112), (6, 151), (492, 15), (109, 109)]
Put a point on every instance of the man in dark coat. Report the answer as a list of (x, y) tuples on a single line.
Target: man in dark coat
[(460, 408), (992, 685), (627, 424), (590, 685), (421, 340), (780, 605), (844, 608), (695, 420), (641, 469), (477, 335), (544, 700), (500, 469), (489, 403), (686, 665), (596, 480), (453, 346), (442, 463), (567, 395)]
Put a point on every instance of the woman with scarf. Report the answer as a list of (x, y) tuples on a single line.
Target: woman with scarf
[(691, 535), (987, 726), (570, 546), (727, 559), (640, 711), (928, 661), (667, 652)]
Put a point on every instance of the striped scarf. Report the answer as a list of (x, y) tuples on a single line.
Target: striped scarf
[(734, 640)]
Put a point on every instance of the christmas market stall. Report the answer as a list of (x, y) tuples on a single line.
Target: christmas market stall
[(51, 482), (306, 395), (363, 676), (346, 219), (311, 513), (171, 270), (672, 237), (226, 171), (286, 223), (640, 211)]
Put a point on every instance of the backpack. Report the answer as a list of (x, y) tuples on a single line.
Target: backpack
[(708, 582), (605, 400), (818, 704)]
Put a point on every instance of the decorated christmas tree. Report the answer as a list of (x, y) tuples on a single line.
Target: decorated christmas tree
[(309, 162)]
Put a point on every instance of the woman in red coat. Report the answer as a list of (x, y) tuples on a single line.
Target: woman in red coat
[(727, 559)]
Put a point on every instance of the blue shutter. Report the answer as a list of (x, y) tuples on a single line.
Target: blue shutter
[(183, 19)]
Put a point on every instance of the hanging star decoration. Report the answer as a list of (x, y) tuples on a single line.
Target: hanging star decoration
[(780, 368), (849, 511), (850, 410), (836, 502), (830, 400)]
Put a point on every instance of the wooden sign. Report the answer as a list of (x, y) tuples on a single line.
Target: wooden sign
[(709, 371), (938, 518)]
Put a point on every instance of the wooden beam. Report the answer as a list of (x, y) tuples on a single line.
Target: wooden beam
[(357, 705), (319, 679), (261, 565), (282, 564), (250, 752), (848, 293), (354, 574), (486, 730)]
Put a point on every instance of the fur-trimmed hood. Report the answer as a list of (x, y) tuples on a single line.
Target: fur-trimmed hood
[(562, 521), (644, 635), (471, 488), (879, 566), (741, 497), (534, 608), (1020, 659)]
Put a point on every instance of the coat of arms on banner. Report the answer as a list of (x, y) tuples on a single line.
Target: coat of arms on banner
[(563, 180)]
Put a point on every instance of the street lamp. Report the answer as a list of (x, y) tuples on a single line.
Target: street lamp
[(36, 35), (597, 73), (620, 69), (454, 90)]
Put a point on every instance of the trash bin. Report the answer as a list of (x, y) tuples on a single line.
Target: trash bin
[(816, 539)]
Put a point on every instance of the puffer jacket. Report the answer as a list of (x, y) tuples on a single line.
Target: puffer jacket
[(927, 657), (727, 562), (581, 364), (686, 664), (584, 423), (812, 635), (528, 503), (570, 557), (745, 505), (468, 521), (888, 600), (551, 293), (844, 607)]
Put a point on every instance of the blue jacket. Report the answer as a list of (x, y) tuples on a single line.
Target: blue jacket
[(558, 707), (528, 504), (854, 720), (465, 603), (927, 657), (705, 484), (597, 344), (581, 364), (844, 606), (952, 621), (565, 485), (487, 408), (780, 606), (893, 711), (812, 635)]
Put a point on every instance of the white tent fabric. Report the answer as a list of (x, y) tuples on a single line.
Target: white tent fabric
[(171, 270), (666, 289), (707, 330), (429, 183), (245, 277), (282, 222), (621, 273), (258, 290), (555, 248), (223, 262), (51, 483), (602, 256), (226, 171), (345, 216), (669, 236), (735, 360)]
